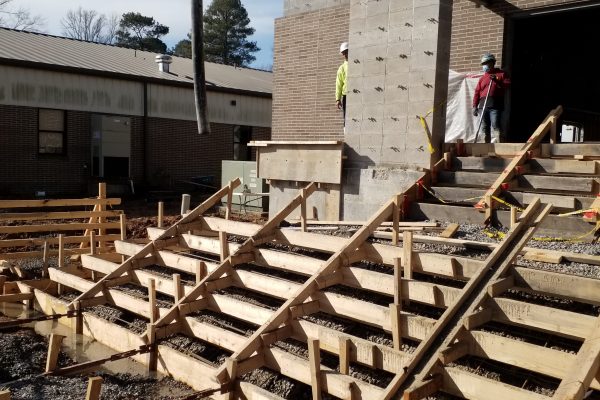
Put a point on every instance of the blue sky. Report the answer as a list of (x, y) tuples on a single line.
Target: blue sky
[(173, 13)]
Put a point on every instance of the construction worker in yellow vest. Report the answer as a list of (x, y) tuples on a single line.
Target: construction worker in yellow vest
[(341, 83)]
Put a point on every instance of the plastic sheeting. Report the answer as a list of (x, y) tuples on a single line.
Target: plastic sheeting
[(460, 122)]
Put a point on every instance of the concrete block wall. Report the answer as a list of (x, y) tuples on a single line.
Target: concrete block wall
[(306, 59), (397, 48), (477, 30)]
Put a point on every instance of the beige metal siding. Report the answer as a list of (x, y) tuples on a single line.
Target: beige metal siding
[(178, 103), (48, 89)]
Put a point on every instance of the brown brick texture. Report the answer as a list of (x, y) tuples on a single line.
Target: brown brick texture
[(173, 152), (477, 30), (305, 66)]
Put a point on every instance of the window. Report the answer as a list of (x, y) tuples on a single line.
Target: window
[(241, 136), (51, 128)]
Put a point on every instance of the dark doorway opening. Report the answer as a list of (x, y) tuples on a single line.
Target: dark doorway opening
[(553, 62)]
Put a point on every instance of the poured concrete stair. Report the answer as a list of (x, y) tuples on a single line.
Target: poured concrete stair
[(569, 184)]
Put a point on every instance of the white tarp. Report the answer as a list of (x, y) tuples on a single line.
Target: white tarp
[(460, 122)]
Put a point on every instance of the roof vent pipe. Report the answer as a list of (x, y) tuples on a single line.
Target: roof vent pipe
[(163, 62)]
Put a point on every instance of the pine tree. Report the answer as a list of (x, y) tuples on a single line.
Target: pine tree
[(140, 32), (183, 48), (226, 28)]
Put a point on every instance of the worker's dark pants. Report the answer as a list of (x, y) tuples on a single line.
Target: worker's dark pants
[(344, 108), (492, 119)]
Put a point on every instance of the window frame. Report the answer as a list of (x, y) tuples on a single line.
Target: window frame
[(247, 130), (63, 132)]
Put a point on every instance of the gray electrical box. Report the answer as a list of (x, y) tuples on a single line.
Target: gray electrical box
[(253, 193)]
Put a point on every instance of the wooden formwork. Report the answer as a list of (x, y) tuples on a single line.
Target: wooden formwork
[(439, 302), (71, 227)]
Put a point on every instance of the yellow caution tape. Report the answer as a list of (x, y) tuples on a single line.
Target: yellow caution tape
[(431, 192), (579, 212), (427, 134), (500, 235), (506, 203)]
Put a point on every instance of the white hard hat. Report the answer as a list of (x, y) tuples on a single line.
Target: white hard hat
[(343, 47), (487, 57)]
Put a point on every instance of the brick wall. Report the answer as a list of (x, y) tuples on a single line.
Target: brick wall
[(176, 152), (477, 30), (306, 59), (24, 171)]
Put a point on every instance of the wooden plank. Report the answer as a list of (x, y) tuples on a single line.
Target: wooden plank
[(94, 388), (591, 150), (53, 350), (38, 216), (314, 359), (450, 230), (57, 203), (57, 227), (16, 297), (544, 360), (344, 354), (396, 325), (53, 240), (465, 384), (301, 163), (4, 394), (546, 319), (583, 369)]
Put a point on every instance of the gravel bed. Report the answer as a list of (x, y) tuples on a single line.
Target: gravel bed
[(297, 250), (509, 374), (198, 349), (554, 302), (251, 297), (280, 385), (277, 273), (164, 272), (226, 322), (538, 338), (23, 358), (141, 292)]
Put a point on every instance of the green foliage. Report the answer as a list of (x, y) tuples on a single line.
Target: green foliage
[(140, 32), (226, 28), (183, 48)]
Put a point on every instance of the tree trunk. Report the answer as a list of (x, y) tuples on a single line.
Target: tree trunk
[(198, 60)]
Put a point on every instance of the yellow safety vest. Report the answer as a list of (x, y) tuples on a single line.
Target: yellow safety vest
[(341, 82)]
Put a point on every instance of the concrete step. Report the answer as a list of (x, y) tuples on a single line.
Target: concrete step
[(536, 165), (471, 196), (526, 182), (552, 225)]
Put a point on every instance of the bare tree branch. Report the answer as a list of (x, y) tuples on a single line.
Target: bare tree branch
[(111, 28), (20, 18), (86, 25)]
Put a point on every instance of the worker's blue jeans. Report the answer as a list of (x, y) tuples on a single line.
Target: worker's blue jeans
[(491, 118)]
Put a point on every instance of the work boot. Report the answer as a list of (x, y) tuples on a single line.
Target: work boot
[(495, 135)]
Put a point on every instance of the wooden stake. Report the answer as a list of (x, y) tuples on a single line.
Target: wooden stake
[(94, 388), (92, 242), (395, 314), (344, 355), (161, 212), (152, 300), (488, 208), (185, 203), (397, 280), (448, 160), (5, 395), (200, 271), (45, 256), (303, 210), (2, 281), (78, 319), (153, 359), (102, 207), (229, 201), (232, 367), (29, 302), (177, 287), (53, 351), (61, 251), (513, 216), (314, 358), (396, 219), (224, 245), (407, 247), (450, 231), (123, 224)]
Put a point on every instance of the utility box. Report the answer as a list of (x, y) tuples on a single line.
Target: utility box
[(253, 193), (571, 132)]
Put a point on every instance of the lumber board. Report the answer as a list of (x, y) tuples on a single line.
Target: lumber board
[(39, 216), (58, 203), (54, 240), (58, 227), (582, 369), (591, 150), (563, 166), (465, 384), (483, 149), (20, 255), (546, 319), (165, 258), (544, 360), (578, 288), (488, 164), (15, 297), (301, 163)]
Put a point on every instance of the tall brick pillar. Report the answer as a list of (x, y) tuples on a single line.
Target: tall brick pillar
[(398, 70)]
